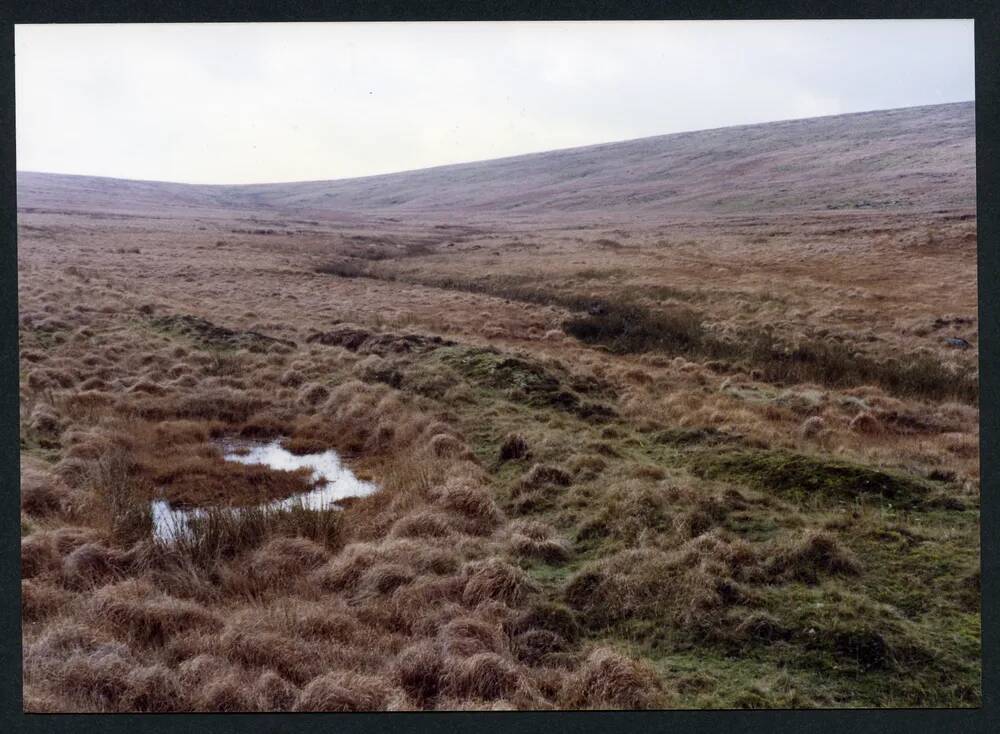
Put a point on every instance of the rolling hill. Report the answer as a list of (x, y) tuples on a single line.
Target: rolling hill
[(910, 158)]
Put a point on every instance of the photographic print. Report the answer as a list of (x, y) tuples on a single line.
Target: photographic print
[(498, 366)]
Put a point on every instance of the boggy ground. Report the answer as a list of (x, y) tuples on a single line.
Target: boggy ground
[(727, 462)]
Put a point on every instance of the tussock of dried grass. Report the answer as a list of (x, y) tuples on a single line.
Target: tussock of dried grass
[(92, 564), (38, 555), (271, 692), (866, 423), (43, 494), (422, 524), (690, 586), (152, 689), (815, 552), (608, 680), (419, 671), (383, 579), (292, 658), (40, 601), (495, 580), (348, 692), (466, 636), (484, 676), (284, 557), (542, 475), (531, 539), (134, 610), (470, 502)]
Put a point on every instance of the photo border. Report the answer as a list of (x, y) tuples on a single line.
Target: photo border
[(860, 721)]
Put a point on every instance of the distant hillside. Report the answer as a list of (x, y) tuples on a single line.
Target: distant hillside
[(912, 158)]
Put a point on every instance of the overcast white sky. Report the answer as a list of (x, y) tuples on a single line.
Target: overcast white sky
[(241, 103)]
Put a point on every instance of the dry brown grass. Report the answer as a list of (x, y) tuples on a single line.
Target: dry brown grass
[(506, 538), (610, 681), (347, 692), (138, 612)]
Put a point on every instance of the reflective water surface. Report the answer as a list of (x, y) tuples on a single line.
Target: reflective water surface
[(334, 481)]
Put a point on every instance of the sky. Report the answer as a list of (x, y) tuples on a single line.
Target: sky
[(270, 102)]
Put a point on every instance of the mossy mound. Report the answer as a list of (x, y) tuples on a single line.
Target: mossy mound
[(207, 335), (527, 382), (682, 437), (799, 476)]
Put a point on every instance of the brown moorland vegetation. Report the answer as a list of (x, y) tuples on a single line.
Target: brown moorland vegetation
[(680, 422)]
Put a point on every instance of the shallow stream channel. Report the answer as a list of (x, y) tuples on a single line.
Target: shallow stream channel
[(333, 481)]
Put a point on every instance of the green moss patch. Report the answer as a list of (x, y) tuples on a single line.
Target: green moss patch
[(801, 477), (527, 382), (207, 335)]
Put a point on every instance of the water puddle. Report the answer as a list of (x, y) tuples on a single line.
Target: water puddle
[(334, 481)]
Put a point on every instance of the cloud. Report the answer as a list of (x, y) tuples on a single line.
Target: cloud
[(232, 103)]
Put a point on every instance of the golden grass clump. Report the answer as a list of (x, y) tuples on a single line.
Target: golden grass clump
[(93, 564), (422, 555), (471, 503), (271, 692), (813, 553), (292, 658), (419, 671), (99, 679), (543, 475), (39, 555), (867, 424), (152, 689), (40, 601), (812, 427), (70, 537), (495, 580), (484, 676), (194, 672), (608, 680), (124, 493), (285, 556), (464, 636), (382, 579), (312, 394), (427, 602), (422, 524), (447, 446), (344, 570), (346, 691), (42, 493), (689, 587), (532, 539), (320, 621), (227, 693), (134, 610), (291, 378)]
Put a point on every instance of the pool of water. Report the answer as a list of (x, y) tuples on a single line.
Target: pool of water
[(334, 481)]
